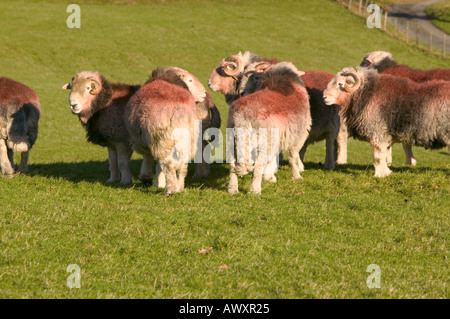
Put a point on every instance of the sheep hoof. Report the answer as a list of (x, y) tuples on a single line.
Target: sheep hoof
[(170, 192), (413, 162), (8, 175), (147, 181), (297, 177), (270, 178), (126, 180), (329, 166), (255, 191), (23, 170), (383, 173), (200, 175), (233, 191)]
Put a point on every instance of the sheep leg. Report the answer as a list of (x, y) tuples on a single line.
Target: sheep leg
[(146, 172), (261, 164), (160, 180), (11, 157), (389, 156), (255, 187), (341, 144), (182, 172), (201, 169), (7, 169), (233, 183), (23, 166), (410, 160), (113, 166), (295, 163), (124, 153), (302, 152), (380, 152), (330, 161), (170, 173), (270, 169)]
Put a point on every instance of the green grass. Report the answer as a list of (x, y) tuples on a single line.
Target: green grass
[(311, 238), (439, 13)]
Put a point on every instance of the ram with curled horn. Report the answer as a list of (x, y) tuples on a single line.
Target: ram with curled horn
[(325, 119), (383, 109), (383, 62), (351, 82)]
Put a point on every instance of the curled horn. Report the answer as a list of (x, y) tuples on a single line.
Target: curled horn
[(231, 68), (263, 67), (351, 88), (96, 87)]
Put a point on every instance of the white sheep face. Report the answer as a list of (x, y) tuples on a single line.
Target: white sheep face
[(375, 57), (83, 88), (340, 87)]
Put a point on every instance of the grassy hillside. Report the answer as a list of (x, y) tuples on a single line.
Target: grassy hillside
[(311, 238), (439, 13)]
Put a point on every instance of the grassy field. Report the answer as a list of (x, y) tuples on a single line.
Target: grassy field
[(310, 238), (439, 14)]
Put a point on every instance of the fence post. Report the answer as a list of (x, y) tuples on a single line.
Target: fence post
[(360, 7), (443, 45), (407, 31), (385, 20), (431, 42), (350, 5), (417, 34)]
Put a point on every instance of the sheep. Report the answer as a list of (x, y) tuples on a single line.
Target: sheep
[(325, 119), (383, 62), (171, 99), (100, 107), (281, 103), (383, 109), (326, 124), (20, 110), (227, 77)]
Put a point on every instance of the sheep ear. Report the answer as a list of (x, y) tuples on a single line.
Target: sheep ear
[(95, 88), (300, 73), (67, 86)]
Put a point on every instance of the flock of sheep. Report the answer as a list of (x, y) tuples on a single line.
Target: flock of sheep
[(380, 102)]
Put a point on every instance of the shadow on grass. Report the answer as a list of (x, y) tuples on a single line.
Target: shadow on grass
[(355, 169), (98, 172)]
